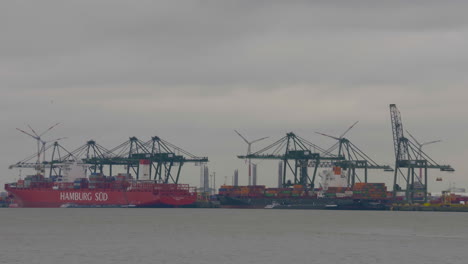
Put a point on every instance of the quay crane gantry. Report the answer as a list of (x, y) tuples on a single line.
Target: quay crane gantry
[(90, 152), (409, 156), (56, 159), (297, 154), (353, 157), (161, 154)]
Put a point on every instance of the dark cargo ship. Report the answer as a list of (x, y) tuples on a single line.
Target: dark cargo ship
[(363, 196)]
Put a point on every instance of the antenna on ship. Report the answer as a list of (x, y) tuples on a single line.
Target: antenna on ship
[(249, 145), (38, 138)]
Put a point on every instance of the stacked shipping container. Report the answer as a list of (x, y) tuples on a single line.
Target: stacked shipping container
[(370, 191)]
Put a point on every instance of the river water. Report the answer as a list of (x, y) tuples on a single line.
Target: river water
[(215, 236)]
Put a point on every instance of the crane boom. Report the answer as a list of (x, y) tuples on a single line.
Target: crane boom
[(401, 149)]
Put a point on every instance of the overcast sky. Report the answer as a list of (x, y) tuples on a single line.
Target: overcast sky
[(192, 71)]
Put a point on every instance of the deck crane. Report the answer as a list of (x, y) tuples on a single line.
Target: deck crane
[(353, 157), (409, 156), (297, 154)]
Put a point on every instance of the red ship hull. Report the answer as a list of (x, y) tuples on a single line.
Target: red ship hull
[(148, 195)]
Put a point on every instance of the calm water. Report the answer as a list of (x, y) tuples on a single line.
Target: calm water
[(215, 236)]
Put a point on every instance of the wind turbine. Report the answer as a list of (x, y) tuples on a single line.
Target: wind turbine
[(249, 145), (43, 149), (420, 145), (342, 135), (340, 139), (39, 140)]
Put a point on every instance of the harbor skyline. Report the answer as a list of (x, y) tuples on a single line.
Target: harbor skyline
[(193, 73)]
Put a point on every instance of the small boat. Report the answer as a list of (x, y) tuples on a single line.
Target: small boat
[(272, 205)]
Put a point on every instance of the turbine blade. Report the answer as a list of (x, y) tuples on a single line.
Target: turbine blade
[(26, 133), (246, 141), (55, 140), (327, 135), (34, 132), (431, 142), (259, 139), (415, 140), (347, 130), (49, 129)]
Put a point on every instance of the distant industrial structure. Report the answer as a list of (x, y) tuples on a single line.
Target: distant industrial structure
[(280, 174), (254, 174), (235, 179)]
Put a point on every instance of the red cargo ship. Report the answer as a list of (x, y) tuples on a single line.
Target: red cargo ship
[(121, 193)]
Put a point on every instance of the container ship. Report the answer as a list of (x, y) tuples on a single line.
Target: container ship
[(98, 190), (364, 196), (331, 195)]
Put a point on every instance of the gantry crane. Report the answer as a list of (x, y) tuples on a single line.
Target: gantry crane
[(54, 164), (353, 157), (162, 155), (165, 155), (297, 154), (409, 156)]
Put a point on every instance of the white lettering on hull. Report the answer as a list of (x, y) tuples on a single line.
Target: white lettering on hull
[(83, 196), (101, 196)]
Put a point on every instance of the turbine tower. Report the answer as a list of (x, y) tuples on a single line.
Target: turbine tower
[(249, 145)]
